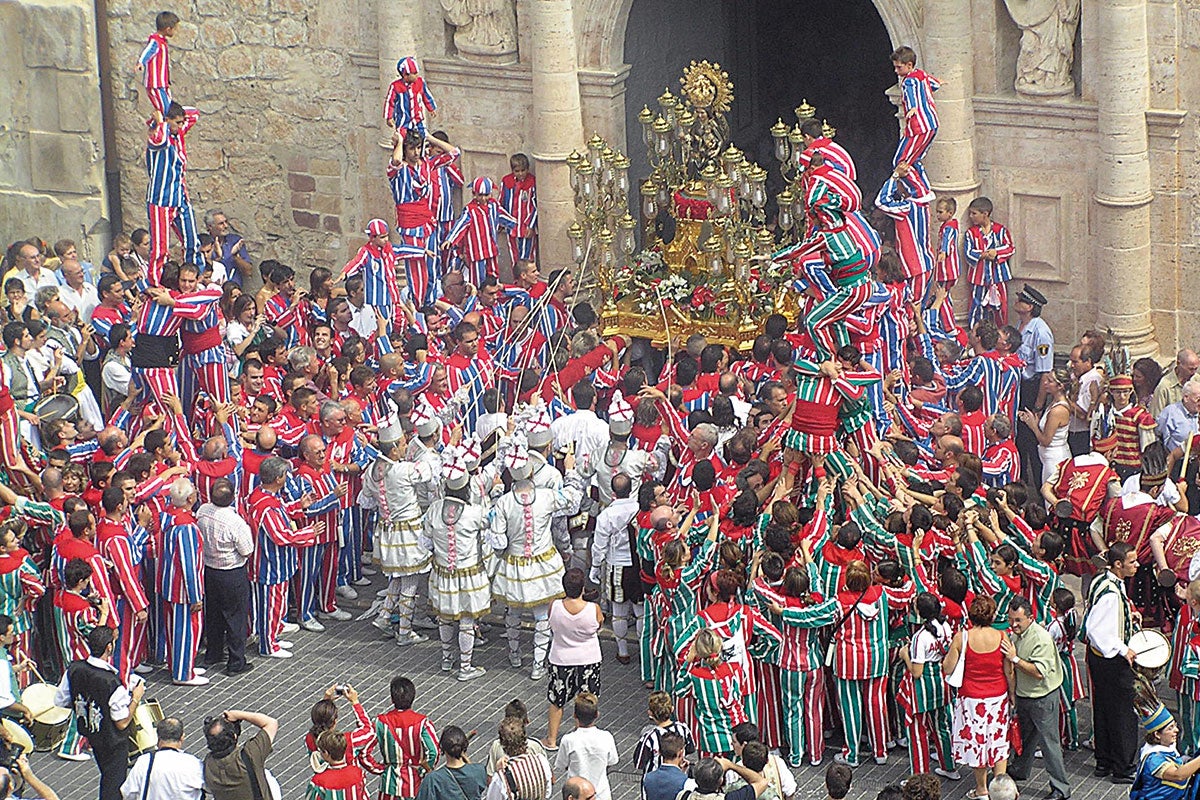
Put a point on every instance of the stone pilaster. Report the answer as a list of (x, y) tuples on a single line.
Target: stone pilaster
[(949, 54), (399, 36), (1121, 250), (557, 123)]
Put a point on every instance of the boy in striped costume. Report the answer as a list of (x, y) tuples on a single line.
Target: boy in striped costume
[(920, 113), (518, 196), (20, 588), (988, 250), (801, 664), (443, 179), (408, 746), (376, 260), (922, 693), (815, 141), (408, 100), (167, 202), (647, 755), (410, 176), (901, 198), (474, 233), (948, 267), (126, 553), (340, 780), (155, 61), (181, 583), (75, 615), (274, 560)]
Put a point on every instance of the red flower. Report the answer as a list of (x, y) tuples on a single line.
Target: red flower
[(666, 302), (721, 310)]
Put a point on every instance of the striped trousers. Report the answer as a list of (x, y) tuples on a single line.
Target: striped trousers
[(824, 320), (184, 627), (419, 273), (315, 580), (855, 697), (155, 383), (270, 605), (522, 248), (162, 220), (646, 661), (211, 377), (924, 727), (355, 522), (476, 271), (946, 312), (23, 651), (768, 703), (803, 713), (978, 312), (160, 98), (132, 641), (911, 151)]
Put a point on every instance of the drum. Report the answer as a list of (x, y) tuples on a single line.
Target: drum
[(1151, 652), (50, 723), (20, 737), (143, 736), (56, 406)]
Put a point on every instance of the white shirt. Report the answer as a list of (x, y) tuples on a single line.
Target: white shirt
[(84, 301), (116, 373), (118, 701), (1089, 387), (1103, 624), (588, 753), (176, 776), (611, 542), (363, 321), (227, 538), (585, 430)]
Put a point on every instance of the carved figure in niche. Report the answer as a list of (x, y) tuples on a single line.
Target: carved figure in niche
[(1047, 45), (484, 30)]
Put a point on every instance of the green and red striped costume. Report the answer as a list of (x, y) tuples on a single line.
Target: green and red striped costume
[(408, 748)]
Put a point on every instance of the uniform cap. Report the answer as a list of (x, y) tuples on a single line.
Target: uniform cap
[(1157, 718), (481, 185), (1121, 382), (620, 416), (407, 66), (1032, 296), (516, 460), (377, 227), (454, 469)]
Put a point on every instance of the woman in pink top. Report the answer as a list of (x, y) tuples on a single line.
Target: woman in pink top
[(981, 710), (574, 651)]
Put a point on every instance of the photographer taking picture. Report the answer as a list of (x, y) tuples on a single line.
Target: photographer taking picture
[(234, 771)]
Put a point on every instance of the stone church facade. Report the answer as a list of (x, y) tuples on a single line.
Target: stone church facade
[(1085, 145)]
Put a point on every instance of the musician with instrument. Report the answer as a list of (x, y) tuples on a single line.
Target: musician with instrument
[(1107, 627), (103, 708)]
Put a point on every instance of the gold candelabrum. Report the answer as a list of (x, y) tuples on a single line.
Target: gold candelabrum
[(603, 234), (789, 145)]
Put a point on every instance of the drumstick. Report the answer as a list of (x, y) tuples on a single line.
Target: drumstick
[(34, 670)]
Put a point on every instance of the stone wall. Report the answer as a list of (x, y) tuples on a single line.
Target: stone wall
[(287, 144), (51, 143)]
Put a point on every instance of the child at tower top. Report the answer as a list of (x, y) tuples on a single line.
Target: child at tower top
[(988, 249), (155, 63), (920, 113), (408, 100), (518, 196)]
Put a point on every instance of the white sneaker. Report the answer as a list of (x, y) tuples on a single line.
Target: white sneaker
[(285, 644), (281, 653), (346, 593), (815, 762), (199, 680), (881, 760), (514, 659), (74, 756), (840, 758), (950, 774), (471, 673), (200, 670), (361, 582), (369, 571), (1037, 753), (313, 626), (337, 615), (447, 665), (410, 639), (289, 627), (143, 669), (538, 673)]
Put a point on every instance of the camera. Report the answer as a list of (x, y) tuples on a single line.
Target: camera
[(341, 688)]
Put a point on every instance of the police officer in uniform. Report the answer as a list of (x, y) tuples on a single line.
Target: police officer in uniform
[(103, 708), (1037, 351)]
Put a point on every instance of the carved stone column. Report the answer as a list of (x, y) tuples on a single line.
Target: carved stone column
[(398, 37), (1121, 250), (557, 123), (950, 162)]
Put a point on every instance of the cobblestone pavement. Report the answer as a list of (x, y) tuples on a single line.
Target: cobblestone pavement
[(354, 652)]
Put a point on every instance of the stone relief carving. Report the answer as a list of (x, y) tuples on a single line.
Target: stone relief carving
[(1047, 45), (484, 30)]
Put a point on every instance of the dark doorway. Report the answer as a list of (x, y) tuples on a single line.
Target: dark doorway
[(834, 53)]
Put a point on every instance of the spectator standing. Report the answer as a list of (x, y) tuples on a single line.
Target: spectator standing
[(228, 247), (665, 782), (588, 752), (574, 650), (167, 773), (234, 771), (228, 542), (520, 774), (457, 778)]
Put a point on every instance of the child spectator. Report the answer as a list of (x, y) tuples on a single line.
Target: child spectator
[(947, 267), (474, 233), (339, 780), (838, 778), (920, 114), (514, 710), (988, 250), (749, 748), (408, 100), (518, 196), (588, 751), (156, 63), (1062, 628), (647, 754)]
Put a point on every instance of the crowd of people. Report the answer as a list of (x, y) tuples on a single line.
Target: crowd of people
[(857, 531)]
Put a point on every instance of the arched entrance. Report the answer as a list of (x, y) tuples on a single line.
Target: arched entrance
[(834, 53)]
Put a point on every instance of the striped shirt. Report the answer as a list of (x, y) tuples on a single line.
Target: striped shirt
[(156, 62), (166, 163), (476, 228), (834, 154), (519, 199), (948, 268), (442, 178), (407, 103), (979, 271), (407, 747), (181, 563), (275, 557), (910, 211), (916, 89)]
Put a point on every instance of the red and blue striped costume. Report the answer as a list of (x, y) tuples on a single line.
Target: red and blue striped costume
[(948, 267), (442, 180), (356, 520), (316, 576), (181, 585), (126, 553), (292, 319), (519, 199), (206, 473), (378, 267), (412, 191), (406, 104), (474, 236), (920, 122), (834, 154), (202, 367), (155, 62), (998, 382), (167, 203), (166, 321), (987, 276), (272, 565), (900, 199)]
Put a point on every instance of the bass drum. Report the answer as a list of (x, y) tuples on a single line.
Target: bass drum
[(50, 722), (1151, 653), (20, 737), (56, 406), (143, 735)]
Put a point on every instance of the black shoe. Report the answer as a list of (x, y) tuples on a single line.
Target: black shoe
[(1055, 794), (1102, 772), (1126, 778), (244, 668), (212, 661)]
